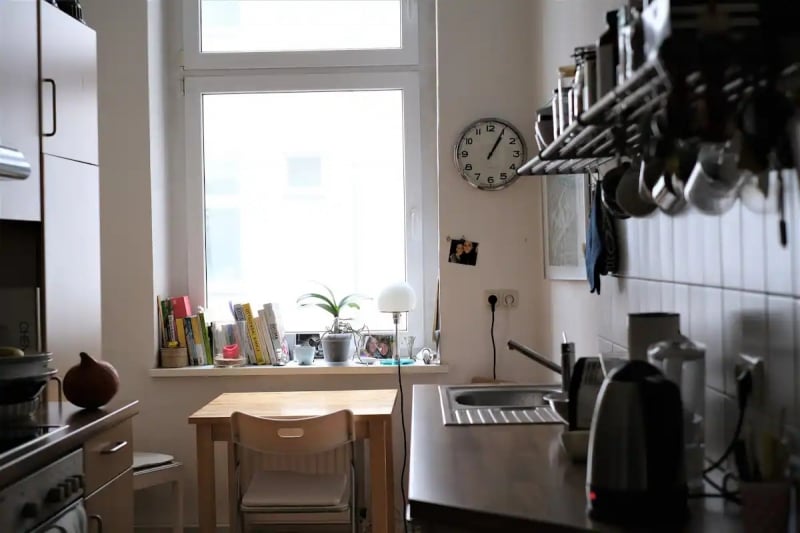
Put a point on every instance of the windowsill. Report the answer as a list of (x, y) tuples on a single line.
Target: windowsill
[(293, 369)]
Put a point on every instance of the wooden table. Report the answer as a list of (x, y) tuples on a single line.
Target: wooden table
[(372, 410)]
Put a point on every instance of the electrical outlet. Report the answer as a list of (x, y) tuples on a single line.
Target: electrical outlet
[(505, 297), (756, 367)]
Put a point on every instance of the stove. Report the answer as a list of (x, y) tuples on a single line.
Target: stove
[(35, 502), (17, 438)]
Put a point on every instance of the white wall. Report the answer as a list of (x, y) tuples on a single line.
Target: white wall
[(557, 27), (488, 66)]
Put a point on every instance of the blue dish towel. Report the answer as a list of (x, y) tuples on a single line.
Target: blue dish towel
[(595, 243)]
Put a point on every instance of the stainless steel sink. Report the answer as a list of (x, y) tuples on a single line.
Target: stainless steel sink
[(497, 404)]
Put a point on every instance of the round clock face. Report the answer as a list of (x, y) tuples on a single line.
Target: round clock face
[(488, 153)]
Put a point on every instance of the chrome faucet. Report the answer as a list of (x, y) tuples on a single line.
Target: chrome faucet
[(567, 358)]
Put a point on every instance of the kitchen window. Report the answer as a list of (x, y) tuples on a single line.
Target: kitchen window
[(309, 173)]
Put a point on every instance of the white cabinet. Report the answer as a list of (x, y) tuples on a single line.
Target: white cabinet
[(69, 86), (19, 106), (71, 260)]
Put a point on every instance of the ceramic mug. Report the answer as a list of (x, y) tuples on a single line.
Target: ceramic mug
[(304, 355)]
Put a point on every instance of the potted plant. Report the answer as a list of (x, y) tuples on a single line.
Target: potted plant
[(337, 341)]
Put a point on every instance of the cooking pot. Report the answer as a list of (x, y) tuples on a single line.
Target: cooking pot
[(24, 366), (18, 390)]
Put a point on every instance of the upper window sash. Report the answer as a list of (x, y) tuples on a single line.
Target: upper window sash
[(195, 59)]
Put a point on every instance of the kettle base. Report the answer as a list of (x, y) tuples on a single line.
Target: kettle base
[(638, 507)]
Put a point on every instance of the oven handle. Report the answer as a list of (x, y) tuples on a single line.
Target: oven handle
[(114, 449), (99, 522)]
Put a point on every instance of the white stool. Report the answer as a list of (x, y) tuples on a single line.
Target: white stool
[(151, 469)]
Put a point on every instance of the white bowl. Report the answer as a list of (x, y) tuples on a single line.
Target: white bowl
[(576, 444), (23, 366)]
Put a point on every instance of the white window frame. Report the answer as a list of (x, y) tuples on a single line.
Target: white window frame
[(195, 59), (407, 82)]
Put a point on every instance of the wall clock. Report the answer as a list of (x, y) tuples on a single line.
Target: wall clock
[(488, 153)]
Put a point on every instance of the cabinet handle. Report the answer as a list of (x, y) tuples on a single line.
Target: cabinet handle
[(114, 449), (99, 520), (52, 82)]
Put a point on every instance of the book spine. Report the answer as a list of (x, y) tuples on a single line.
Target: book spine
[(180, 327), (172, 331), (273, 329), (190, 347), (197, 339), (209, 354), (245, 347), (264, 334), (161, 333), (253, 334)]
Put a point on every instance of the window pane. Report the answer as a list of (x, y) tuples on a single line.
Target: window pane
[(298, 25), (303, 187)]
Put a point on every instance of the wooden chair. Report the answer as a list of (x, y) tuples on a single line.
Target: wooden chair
[(151, 469), (286, 497)]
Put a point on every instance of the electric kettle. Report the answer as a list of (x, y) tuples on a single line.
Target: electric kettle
[(635, 469)]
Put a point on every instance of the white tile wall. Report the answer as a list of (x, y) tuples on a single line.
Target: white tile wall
[(780, 365), (753, 251), (731, 247), (712, 251), (737, 291), (666, 247)]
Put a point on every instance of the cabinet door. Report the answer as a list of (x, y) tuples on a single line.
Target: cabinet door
[(69, 86), (71, 260), (112, 506), (19, 106)]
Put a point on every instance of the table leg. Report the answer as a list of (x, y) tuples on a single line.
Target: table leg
[(207, 506), (381, 479), (233, 501)]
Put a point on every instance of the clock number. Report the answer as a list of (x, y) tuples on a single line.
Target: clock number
[(464, 153), (490, 128), (468, 166), (490, 179), (516, 153), (469, 140), (513, 166), (512, 140), (477, 175), (477, 131), (503, 176)]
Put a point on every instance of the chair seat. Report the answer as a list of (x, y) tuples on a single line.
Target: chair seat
[(142, 460), (291, 492)]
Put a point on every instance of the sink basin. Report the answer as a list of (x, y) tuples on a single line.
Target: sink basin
[(497, 404), (501, 398)]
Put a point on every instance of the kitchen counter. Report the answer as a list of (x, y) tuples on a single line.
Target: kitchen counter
[(79, 425), (510, 478)]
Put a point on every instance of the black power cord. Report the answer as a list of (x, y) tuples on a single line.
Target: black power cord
[(493, 303), (744, 386), (405, 448)]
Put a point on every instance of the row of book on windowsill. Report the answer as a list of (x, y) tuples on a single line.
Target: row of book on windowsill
[(186, 339)]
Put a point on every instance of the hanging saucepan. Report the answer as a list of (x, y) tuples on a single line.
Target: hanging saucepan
[(609, 185)]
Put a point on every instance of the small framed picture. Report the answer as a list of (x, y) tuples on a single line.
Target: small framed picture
[(303, 338), (565, 216), (377, 346), (463, 252)]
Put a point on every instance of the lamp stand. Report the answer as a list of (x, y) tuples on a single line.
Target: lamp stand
[(396, 318)]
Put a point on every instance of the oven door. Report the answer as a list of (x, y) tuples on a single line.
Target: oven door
[(71, 520)]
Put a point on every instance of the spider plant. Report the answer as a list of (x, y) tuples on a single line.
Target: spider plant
[(330, 304)]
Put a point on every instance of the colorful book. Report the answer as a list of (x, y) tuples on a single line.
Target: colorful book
[(275, 329), (246, 346), (190, 345), (197, 340), (261, 321), (180, 327), (253, 334), (209, 353)]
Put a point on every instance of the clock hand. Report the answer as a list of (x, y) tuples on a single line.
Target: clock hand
[(499, 137)]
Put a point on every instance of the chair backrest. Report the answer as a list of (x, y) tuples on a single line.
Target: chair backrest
[(292, 435)]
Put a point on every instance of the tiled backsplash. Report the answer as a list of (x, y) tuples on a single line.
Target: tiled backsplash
[(737, 291)]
